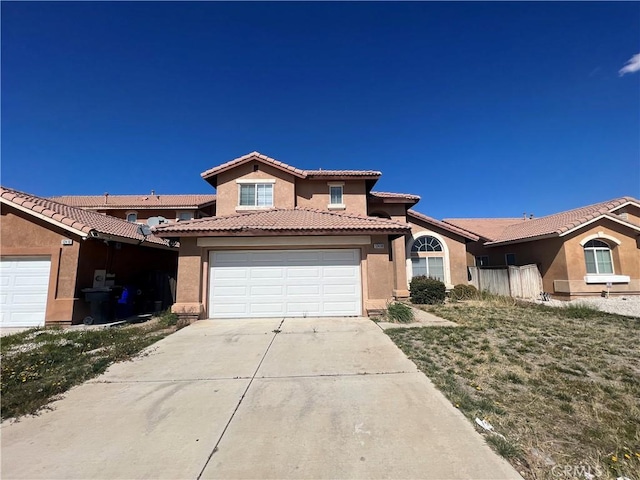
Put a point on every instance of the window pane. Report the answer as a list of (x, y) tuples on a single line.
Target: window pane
[(336, 195), (418, 266), (433, 245), (248, 195), (590, 260), (436, 268), (603, 258), (510, 258)]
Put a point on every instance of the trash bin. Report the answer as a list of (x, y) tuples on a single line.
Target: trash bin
[(101, 300), (124, 307)]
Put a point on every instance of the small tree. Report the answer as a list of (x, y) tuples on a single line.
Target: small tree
[(425, 290)]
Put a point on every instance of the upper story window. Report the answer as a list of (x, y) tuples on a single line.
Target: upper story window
[(336, 195), (256, 194), (183, 216), (132, 217), (597, 256)]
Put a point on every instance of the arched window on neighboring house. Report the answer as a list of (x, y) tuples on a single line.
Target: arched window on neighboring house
[(597, 256), (132, 217), (428, 258)]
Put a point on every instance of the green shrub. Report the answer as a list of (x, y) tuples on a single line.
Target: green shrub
[(425, 290), (399, 313), (168, 319), (463, 292)]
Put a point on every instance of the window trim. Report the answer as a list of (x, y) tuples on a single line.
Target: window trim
[(180, 212), (256, 182), (131, 212), (444, 254), (336, 206), (595, 258)]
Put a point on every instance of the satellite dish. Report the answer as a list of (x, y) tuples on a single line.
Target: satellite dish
[(153, 221), (162, 220), (144, 230)]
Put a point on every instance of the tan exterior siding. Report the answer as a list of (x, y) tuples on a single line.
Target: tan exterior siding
[(227, 189), (23, 237), (315, 194)]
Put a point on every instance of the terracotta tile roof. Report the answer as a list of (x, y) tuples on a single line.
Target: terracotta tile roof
[(486, 228), (212, 172), (248, 157), (408, 196), (444, 226), (137, 201), (513, 230), (83, 222), (284, 220), (560, 223)]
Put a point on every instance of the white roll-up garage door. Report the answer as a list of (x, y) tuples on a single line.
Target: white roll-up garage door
[(24, 283), (285, 283)]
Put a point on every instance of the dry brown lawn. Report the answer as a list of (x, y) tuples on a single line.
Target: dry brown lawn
[(561, 386)]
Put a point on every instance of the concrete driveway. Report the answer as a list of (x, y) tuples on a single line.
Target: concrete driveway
[(294, 398)]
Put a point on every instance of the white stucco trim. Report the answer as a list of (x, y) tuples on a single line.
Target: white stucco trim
[(255, 180), (445, 251), (284, 241), (599, 235), (607, 278), (605, 216)]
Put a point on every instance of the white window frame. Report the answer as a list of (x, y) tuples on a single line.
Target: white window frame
[(444, 254), (131, 212), (595, 257), (183, 212), (256, 182), (336, 206)]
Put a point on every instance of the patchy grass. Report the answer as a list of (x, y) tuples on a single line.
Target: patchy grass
[(398, 312), (38, 365), (561, 385)]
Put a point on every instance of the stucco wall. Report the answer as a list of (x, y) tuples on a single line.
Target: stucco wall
[(455, 246), (227, 189), (25, 236), (315, 194)]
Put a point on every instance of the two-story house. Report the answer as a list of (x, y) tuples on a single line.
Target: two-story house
[(287, 242), (140, 208)]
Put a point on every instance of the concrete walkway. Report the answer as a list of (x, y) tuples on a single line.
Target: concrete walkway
[(303, 398), (420, 319)]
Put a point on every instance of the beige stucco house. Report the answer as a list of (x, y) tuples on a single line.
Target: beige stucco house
[(287, 242), (50, 253), (579, 252)]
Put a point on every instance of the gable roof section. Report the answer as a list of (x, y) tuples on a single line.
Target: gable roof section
[(280, 221), (442, 225), (194, 201), (210, 174), (485, 228), (500, 232), (85, 223), (389, 197)]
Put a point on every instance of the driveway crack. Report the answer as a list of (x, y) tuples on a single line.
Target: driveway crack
[(215, 447)]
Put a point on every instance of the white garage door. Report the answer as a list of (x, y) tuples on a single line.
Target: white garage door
[(285, 283), (24, 283)]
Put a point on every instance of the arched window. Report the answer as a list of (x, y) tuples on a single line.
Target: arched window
[(427, 258), (597, 256), (132, 217)]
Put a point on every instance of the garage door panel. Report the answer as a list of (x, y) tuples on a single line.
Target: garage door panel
[(293, 283), (25, 284), (266, 290), (266, 273)]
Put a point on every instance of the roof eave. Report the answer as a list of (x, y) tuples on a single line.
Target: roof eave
[(521, 240)]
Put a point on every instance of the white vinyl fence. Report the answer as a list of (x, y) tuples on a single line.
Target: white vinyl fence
[(518, 282)]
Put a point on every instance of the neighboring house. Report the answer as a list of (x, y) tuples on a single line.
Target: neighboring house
[(50, 252), (578, 252), (139, 208), (290, 242)]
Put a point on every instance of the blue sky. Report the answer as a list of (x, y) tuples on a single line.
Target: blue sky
[(483, 109)]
